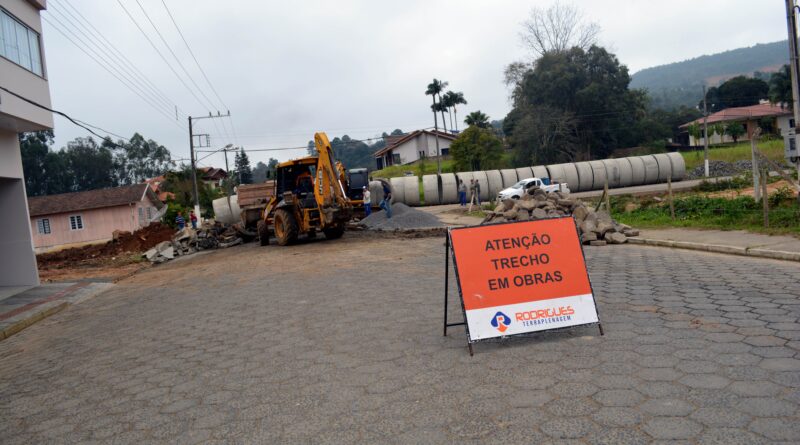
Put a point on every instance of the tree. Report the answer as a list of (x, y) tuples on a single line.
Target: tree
[(476, 148), (543, 135), (46, 172), (718, 129), (91, 165), (590, 85), (557, 29), (434, 90), (780, 87), (260, 172), (179, 183), (440, 107), (311, 148), (452, 100), (478, 119), (734, 130), (242, 167), (272, 166), (739, 91), (138, 159)]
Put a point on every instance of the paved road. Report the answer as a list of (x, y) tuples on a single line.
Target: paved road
[(328, 343)]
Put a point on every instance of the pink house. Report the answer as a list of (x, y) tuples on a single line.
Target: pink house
[(72, 219)]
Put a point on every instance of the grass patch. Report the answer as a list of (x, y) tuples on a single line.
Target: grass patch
[(428, 168), (702, 212), (732, 153)]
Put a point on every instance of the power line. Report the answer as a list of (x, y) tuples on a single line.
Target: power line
[(200, 67), (103, 65), (110, 59), (159, 53), (121, 56), (77, 122), (180, 64)]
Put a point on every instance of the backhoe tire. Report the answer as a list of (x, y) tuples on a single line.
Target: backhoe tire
[(263, 233), (334, 232), (285, 227)]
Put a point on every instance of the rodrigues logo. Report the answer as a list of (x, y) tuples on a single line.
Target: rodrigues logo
[(500, 321)]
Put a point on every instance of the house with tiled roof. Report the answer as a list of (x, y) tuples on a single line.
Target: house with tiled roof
[(770, 117), (410, 147), (78, 218), (212, 176)]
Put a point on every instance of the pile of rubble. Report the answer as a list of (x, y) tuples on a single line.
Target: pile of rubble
[(189, 241), (596, 228)]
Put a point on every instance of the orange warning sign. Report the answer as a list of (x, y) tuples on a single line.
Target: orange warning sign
[(522, 277)]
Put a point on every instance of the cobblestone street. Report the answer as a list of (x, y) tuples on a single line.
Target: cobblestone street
[(341, 342)]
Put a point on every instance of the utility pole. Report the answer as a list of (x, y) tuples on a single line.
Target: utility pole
[(794, 68), (705, 130), (228, 179), (192, 156)]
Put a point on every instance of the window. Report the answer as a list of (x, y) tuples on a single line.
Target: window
[(141, 216), (395, 159), (43, 225), (149, 213), (445, 151), (76, 222), (422, 154), (19, 44)]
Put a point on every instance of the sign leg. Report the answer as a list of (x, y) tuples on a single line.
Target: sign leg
[(446, 278), (469, 345), (600, 326)]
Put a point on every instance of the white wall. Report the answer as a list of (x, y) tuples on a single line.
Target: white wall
[(17, 259)]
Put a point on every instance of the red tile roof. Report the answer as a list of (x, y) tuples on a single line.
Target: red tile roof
[(92, 199), (743, 113)]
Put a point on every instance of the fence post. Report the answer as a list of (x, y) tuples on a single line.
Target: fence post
[(765, 197), (671, 203), (608, 199), (754, 150)]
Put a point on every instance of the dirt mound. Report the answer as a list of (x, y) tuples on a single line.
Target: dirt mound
[(403, 217), (136, 242)]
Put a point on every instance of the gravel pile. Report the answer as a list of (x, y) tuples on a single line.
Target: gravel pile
[(403, 217), (721, 168)]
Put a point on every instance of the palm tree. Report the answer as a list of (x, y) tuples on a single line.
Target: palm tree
[(435, 88), (477, 119), (441, 107), (452, 99), (447, 101)]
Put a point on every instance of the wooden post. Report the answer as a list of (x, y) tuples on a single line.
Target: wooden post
[(608, 199), (765, 197), (671, 204), (754, 150)]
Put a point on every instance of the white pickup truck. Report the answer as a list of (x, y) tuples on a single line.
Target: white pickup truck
[(517, 190)]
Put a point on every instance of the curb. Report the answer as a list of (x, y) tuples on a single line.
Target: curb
[(719, 248), (25, 321)]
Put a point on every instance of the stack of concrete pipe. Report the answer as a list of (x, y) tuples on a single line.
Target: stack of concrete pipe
[(580, 177)]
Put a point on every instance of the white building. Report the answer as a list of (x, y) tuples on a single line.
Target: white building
[(410, 147), (22, 71)]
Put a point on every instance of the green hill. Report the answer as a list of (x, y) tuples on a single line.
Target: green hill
[(681, 83)]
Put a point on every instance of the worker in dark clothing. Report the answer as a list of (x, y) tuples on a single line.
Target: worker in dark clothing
[(386, 202)]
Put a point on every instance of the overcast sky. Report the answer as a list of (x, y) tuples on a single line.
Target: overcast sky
[(288, 69)]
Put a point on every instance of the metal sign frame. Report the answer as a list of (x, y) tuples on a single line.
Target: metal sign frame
[(449, 250)]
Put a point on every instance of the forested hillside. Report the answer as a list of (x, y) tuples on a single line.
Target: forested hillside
[(681, 83)]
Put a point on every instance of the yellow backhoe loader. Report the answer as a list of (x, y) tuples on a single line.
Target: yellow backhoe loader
[(309, 197)]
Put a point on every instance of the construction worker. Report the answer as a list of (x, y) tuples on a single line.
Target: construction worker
[(386, 202), (473, 194), (367, 202), (462, 193), (193, 219), (304, 183)]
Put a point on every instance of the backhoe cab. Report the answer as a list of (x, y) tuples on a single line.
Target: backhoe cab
[(310, 197)]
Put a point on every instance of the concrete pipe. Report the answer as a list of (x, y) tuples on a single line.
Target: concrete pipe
[(555, 172), (664, 167), (612, 172), (509, 177), (484, 182), (598, 174), (524, 173), (430, 187), (650, 169), (637, 170), (625, 172), (398, 189), (495, 183), (449, 188), (540, 171), (585, 177), (678, 166), (568, 174), (411, 190), (224, 213)]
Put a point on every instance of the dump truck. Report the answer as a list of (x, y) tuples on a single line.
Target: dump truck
[(310, 196)]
